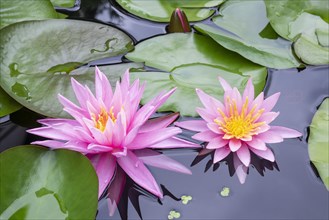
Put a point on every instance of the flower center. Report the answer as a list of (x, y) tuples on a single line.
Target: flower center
[(239, 124), (101, 120)]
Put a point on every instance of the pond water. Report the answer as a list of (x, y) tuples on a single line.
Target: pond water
[(287, 189)]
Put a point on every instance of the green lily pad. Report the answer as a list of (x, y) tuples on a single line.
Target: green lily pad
[(63, 3), (37, 183), (188, 77), (160, 10), (318, 142), (14, 11), (195, 61), (7, 104), (225, 192), (305, 19), (248, 34), (41, 63), (172, 50)]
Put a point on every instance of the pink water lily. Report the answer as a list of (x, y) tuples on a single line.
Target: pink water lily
[(239, 125), (112, 130)]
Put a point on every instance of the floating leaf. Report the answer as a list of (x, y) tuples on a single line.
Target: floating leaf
[(173, 214), (188, 77), (250, 35), (304, 22), (198, 61), (37, 183), (172, 50), (186, 199), (13, 11), (7, 104), (225, 192), (63, 3), (160, 10), (41, 63), (318, 142)]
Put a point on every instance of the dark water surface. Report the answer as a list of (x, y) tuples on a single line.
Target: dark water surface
[(289, 189)]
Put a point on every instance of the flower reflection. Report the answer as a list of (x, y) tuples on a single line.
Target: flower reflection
[(239, 126), (115, 134)]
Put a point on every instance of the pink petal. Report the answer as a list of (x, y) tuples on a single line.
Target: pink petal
[(240, 169), (175, 142), (205, 136), (115, 190), (144, 140), (236, 96), (270, 137), (155, 159), (54, 121), (70, 145), (257, 143), (248, 92), (221, 153), (193, 125), (209, 102), (257, 102), (270, 102), (217, 142), (125, 81), (214, 128), (139, 173), (224, 84), (268, 117), (157, 123), (244, 155), (50, 143), (80, 93), (266, 154), (103, 87), (104, 165), (206, 115), (234, 144), (119, 132), (49, 132), (97, 148), (68, 104), (285, 132)]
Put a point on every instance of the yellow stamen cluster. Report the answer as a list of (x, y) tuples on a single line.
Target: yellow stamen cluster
[(102, 118), (239, 124)]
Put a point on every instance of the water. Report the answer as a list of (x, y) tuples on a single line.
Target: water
[(288, 189)]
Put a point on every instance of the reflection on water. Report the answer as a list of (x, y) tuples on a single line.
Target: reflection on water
[(293, 192)]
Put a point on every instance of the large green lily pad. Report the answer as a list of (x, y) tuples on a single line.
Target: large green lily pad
[(160, 10), (318, 142), (7, 104), (12, 11), (37, 183), (250, 35), (187, 78), (195, 61), (172, 50), (304, 22), (41, 63)]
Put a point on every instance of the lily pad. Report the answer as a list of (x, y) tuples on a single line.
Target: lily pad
[(37, 183), (188, 77), (41, 63), (7, 104), (172, 50), (160, 10), (63, 3), (14, 11), (248, 34), (318, 142), (305, 19)]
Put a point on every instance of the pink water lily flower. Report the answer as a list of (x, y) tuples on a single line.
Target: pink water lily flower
[(112, 130), (239, 125)]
